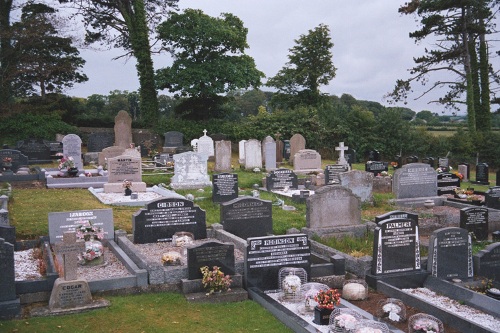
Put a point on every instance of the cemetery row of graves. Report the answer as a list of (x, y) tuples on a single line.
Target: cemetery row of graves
[(170, 245)]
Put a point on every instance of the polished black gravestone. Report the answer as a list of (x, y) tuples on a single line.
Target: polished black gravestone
[(10, 305), (265, 256), (447, 183), (376, 167), (373, 155), (281, 178), (475, 220), (492, 197), (247, 217), (210, 254), (487, 263), (397, 214), (332, 172), (37, 151), (162, 218), (225, 187), (482, 174), (17, 159), (450, 254)]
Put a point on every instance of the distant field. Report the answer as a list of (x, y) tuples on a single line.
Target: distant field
[(442, 133)]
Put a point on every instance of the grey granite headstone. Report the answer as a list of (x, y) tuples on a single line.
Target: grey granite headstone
[(124, 167), (10, 306), (190, 171), (376, 167), (359, 182), (108, 153), (487, 262), (210, 254), (307, 160), (18, 159), (297, 143), (270, 155), (222, 156), (173, 139), (414, 180), (463, 169), (450, 254), (123, 129), (225, 187), (160, 219), (247, 217), (72, 147), (475, 220), (253, 154), (96, 142)]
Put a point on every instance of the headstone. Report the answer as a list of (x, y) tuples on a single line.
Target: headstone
[(18, 159), (482, 174), (475, 220), (263, 144), (194, 145), (398, 163), (307, 160), (225, 187), (110, 152), (332, 173), (173, 139), (373, 155), (210, 254), (124, 168), (270, 155), (450, 254), (397, 214), (411, 159), (218, 137), (444, 163), (96, 142), (281, 178), (72, 147), (241, 152), (414, 180), (359, 182), (8, 233), (279, 148), (447, 183), (162, 218), (253, 154), (297, 143), (498, 178), (341, 149), (468, 170), (123, 130), (396, 247), (37, 151), (430, 161), (70, 248), (190, 171), (350, 156), (487, 262), (287, 150), (222, 156), (492, 197), (332, 206), (464, 171), (10, 306), (206, 145), (60, 222), (265, 256), (376, 167), (247, 217)]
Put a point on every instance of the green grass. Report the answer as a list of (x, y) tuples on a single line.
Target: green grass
[(163, 312)]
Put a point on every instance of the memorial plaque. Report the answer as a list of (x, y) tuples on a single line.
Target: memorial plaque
[(265, 256), (397, 214), (376, 167), (475, 220), (124, 167), (487, 262), (18, 159), (332, 172), (450, 254), (225, 187), (162, 218), (247, 217), (492, 197), (447, 183), (36, 150), (210, 254), (96, 142), (414, 180), (396, 247), (60, 222), (482, 174), (281, 178)]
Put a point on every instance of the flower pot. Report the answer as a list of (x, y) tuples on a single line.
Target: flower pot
[(94, 253), (322, 315), (72, 172), (128, 191)]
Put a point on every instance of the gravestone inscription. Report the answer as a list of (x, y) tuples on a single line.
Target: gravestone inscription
[(190, 171), (376, 167), (482, 174), (124, 167), (447, 183), (397, 214), (332, 173), (281, 178), (210, 254), (247, 217), (487, 262), (222, 156), (253, 154), (265, 256), (307, 159), (162, 218), (475, 220), (414, 180), (225, 187)]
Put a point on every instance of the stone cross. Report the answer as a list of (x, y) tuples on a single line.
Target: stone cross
[(70, 249), (204, 132), (342, 149)]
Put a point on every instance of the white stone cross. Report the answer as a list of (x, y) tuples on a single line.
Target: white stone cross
[(342, 149), (204, 132), (70, 249)]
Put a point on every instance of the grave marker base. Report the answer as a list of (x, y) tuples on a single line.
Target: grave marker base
[(10, 309)]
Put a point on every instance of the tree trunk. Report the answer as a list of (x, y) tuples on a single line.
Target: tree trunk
[(5, 53), (483, 121), (471, 114)]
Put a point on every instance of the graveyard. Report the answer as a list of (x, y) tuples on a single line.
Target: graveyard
[(281, 228)]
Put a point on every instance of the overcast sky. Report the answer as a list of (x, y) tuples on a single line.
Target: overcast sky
[(371, 45)]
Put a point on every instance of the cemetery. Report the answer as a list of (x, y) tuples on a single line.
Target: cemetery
[(174, 226)]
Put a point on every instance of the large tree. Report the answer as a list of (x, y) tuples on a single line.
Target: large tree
[(460, 29), (310, 66), (45, 62), (209, 60), (127, 24)]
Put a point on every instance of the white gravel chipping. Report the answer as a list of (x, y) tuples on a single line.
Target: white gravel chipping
[(453, 306), (25, 266), (113, 198)]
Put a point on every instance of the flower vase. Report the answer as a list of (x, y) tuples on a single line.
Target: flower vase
[(128, 191), (322, 315), (72, 172), (94, 253)]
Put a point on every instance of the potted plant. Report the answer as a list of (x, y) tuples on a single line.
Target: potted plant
[(127, 185), (214, 280), (327, 299), (68, 164)]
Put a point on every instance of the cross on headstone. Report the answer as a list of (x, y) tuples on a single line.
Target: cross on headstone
[(70, 249), (204, 132), (341, 148)]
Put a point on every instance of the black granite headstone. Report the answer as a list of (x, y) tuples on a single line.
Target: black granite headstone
[(396, 214), (281, 178), (265, 256), (247, 217), (350, 156), (482, 174), (18, 159), (225, 187), (376, 167), (332, 172), (8, 233), (447, 183), (7, 278), (487, 262), (430, 161), (475, 220), (96, 142), (210, 254), (492, 197), (399, 162), (396, 247), (36, 150), (373, 155), (450, 254), (173, 139), (498, 178), (286, 149), (162, 218)]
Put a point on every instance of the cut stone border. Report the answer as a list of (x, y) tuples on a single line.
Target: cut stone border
[(136, 203)]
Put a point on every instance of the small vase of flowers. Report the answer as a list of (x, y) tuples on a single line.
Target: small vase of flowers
[(327, 299), (214, 280), (127, 185)]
